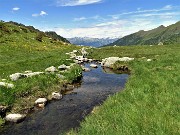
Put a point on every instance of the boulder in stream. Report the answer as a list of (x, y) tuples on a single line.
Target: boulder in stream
[(56, 95), (86, 69), (41, 102), (108, 62), (15, 117), (94, 66)]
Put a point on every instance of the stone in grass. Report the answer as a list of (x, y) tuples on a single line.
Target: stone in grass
[(93, 66), (15, 118), (33, 74), (16, 76), (7, 85), (60, 76), (41, 102), (62, 67), (51, 69), (75, 51), (3, 80), (56, 95), (28, 71), (149, 60)]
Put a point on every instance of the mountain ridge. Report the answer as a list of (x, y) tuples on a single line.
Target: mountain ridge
[(87, 41), (11, 30), (166, 35)]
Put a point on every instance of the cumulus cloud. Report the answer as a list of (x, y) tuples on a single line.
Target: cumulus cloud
[(42, 13), (76, 2), (15, 9), (124, 23)]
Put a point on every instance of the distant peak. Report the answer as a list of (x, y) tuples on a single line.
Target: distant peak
[(161, 26)]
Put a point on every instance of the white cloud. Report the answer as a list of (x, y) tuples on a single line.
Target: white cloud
[(124, 24), (76, 2), (96, 17), (139, 11), (168, 7), (42, 13), (79, 19), (15, 8)]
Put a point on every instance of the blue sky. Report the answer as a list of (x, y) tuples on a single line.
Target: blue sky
[(91, 18)]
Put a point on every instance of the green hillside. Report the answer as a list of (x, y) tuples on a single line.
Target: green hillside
[(166, 35), (55, 36), (24, 48)]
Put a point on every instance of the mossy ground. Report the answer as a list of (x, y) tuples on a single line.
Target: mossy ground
[(150, 101)]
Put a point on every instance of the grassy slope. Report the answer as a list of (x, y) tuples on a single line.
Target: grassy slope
[(168, 35), (19, 52), (150, 102)]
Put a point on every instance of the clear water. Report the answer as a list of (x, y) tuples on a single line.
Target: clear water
[(60, 116)]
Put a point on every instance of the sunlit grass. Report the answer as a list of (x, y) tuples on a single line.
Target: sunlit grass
[(19, 52), (150, 101)]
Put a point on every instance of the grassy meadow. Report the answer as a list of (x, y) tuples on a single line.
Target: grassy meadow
[(20, 51), (149, 104)]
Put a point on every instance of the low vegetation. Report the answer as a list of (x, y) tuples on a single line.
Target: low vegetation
[(149, 103), (25, 48)]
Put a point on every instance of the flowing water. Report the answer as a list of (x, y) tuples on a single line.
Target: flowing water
[(60, 116)]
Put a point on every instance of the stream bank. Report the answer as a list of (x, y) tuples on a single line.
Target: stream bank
[(61, 116)]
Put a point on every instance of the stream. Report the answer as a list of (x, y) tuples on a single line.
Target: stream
[(60, 116)]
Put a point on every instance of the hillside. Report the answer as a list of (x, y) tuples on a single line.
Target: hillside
[(13, 31), (166, 35), (24, 48), (55, 36), (95, 42)]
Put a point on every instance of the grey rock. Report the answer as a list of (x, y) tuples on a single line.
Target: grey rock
[(61, 76), (7, 85), (62, 67), (15, 117), (16, 76), (56, 95), (93, 65), (41, 101), (51, 69), (108, 62)]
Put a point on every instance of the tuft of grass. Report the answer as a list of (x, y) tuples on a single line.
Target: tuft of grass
[(150, 101)]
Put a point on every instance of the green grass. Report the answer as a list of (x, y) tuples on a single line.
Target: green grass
[(149, 104), (19, 52)]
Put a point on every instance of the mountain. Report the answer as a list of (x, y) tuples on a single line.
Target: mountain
[(95, 42), (17, 32), (54, 35), (166, 35)]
